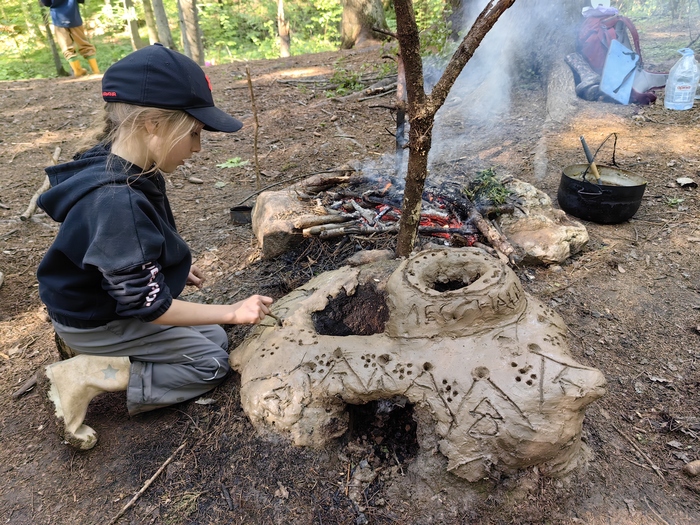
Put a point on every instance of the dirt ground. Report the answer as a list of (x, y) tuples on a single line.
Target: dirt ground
[(630, 300)]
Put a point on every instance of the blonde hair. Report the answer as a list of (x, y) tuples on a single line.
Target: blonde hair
[(126, 123)]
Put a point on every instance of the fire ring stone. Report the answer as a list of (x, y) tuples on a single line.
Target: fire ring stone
[(484, 364)]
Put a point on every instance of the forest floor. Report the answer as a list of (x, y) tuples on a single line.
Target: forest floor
[(631, 301)]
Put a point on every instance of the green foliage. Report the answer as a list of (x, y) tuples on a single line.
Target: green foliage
[(487, 189), (431, 19), (235, 162), (232, 30), (248, 30), (346, 81)]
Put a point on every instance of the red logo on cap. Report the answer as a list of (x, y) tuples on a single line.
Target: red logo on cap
[(208, 82), (109, 93)]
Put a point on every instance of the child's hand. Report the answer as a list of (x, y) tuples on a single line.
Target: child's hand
[(196, 277), (252, 310)]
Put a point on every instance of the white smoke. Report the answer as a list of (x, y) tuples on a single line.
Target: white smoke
[(483, 90)]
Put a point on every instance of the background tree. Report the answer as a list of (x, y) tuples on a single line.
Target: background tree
[(359, 17), (132, 24), (191, 34), (283, 29), (60, 70), (165, 37), (150, 22)]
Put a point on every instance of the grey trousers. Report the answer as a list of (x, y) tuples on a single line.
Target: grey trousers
[(169, 364)]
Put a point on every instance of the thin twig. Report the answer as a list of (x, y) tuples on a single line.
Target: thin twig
[(255, 127), (26, 387), (147, 484), (655, 513), (227, 497), (631, 442), (287, 180)]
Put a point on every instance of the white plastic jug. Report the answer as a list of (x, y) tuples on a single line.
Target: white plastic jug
[(682, 82)]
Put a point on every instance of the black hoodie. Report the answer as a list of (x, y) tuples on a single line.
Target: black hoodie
[(117, 253)]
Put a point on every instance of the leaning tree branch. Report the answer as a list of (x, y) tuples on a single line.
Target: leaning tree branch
[(422, 109), (482, 25)]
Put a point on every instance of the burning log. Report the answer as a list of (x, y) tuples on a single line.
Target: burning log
[(495, 238)]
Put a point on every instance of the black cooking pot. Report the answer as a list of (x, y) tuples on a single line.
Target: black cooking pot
[(615, 197)]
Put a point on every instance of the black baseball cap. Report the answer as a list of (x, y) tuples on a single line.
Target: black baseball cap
[(158, 77)]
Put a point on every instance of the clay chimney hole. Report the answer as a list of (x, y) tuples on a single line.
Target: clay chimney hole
[(444, 283)]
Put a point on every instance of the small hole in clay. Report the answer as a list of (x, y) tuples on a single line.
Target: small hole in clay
[(529, 382), (514, 364), (533, 376), (427, 367), (480, 372), (444, 381), (518, 379), (449, 400), (384, 359), (443, 283)]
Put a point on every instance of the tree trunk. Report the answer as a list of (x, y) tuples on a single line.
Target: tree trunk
[(29, 21), (283, 28), (132, 22), (191, 33), (165, 37), (150, 22), (359, 17), (422, 108), (52, 44)]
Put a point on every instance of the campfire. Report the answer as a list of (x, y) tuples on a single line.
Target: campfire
[(373, 205), (335, 206)]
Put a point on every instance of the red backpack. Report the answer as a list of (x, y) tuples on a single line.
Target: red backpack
[(597, 32)]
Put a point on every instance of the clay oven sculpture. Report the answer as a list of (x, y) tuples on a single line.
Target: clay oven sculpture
[(485, 365)]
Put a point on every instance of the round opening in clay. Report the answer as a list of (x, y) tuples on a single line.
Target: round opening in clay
[(445, 283), (386, 425), (364, 313)]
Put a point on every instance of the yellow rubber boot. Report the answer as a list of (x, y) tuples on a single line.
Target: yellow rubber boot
[(93, 66), (78, 70), (70, 385)]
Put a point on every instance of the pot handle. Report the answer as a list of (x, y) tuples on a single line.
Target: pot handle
[(589, 194)]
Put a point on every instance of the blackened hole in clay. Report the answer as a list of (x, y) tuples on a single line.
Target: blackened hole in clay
[(364, 313), (387, 426), (443, 283)]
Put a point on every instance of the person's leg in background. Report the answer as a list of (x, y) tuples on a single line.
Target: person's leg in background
[(65, 41), (85, 47)]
